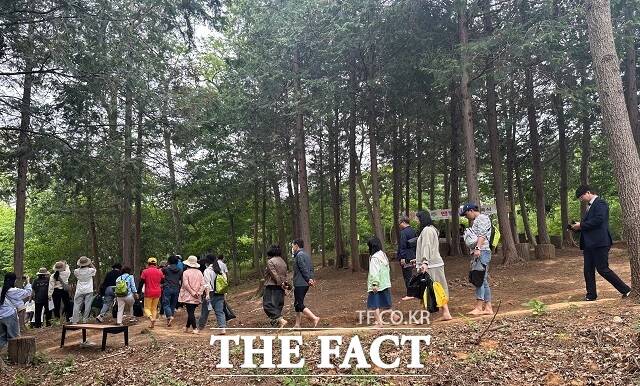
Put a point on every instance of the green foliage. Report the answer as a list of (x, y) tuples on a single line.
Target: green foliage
[(538, 308)]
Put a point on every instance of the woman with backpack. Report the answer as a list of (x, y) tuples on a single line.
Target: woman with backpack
[(428, 257), (215, 283), (191, 291), (59, 290), (126, 292)]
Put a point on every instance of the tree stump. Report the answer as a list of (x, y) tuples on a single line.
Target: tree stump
[(22, 349), (545, 251), (523, 251), (556, 241), (364, 261)]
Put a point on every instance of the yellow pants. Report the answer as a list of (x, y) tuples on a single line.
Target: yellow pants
[(151, 308)]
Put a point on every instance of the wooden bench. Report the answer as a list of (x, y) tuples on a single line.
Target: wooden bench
[(105, 328)]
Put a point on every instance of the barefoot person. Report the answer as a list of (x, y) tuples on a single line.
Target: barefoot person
[(275, 284), (428, 257), (378, 280), (481, 229), (595, 242), (302, 280), (151, 279)]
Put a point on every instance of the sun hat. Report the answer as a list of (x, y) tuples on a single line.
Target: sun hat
[(59, 266), (84, 261), (152, 260), (192, 262), (43, 271)]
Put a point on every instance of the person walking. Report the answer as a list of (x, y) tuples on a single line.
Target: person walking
[(59, 290), (171, 288), (275, 286), (302, 280), (481, 232), (151, 278), (428, 257), (191, 291), (11, 299), (40, 289), (595, 243), (406, 249), (107, 289), (378, 281), (214, 298), (126, 293), (84, 289)]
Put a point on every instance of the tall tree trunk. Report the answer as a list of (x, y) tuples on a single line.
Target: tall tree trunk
[(631, 89), (177, 222), (432, 185), (511, 156), (24, 153), (137, 240), (264, 224), (292, 199), (127, 257), (523, 207), (407, 170), (617, 128), (373, 155), (334, 187), (255, 263), (279, 214), (353, 213), (534, 139), (321, 177), (419, 188), (365, 194), (508, 242), (93, 234), (558, 105), (305, 228), (445, 198), (397, 178), (456, 116), (471, 168), (234, 243), (585, 146)]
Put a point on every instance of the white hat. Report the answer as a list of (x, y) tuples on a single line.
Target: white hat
[(192, 262)]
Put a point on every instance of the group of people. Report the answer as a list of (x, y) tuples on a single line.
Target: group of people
[(191, 282)]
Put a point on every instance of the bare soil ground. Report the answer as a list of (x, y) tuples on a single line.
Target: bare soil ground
[(574, 342)]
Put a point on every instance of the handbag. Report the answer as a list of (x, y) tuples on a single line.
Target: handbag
[(228, 312), (137, 309), (477, 272)]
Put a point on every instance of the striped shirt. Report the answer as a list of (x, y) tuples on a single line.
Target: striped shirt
[(482, 228)]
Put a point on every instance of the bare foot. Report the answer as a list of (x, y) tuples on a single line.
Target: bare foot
[(223, 331), (475, 311), (446, 317), (196, 331), (186, 329), (316, 321), (487, 311), (282, 322), (297, 327), (169, 321), (407, 298)]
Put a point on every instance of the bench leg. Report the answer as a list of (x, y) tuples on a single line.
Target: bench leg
[(104, 340), (84, 335), (126, 337), (64, 332)]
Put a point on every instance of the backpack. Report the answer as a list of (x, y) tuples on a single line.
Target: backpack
[(122, 289), (441, 296), (221, 285)]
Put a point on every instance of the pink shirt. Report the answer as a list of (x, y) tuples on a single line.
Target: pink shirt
[(192, 286)]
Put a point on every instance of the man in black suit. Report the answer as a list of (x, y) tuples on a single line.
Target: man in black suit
[(595, 242)]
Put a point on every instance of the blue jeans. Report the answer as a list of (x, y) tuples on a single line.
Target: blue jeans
[(217, 302), (9, 329), (484, 292), (170, 301), (107, 301)]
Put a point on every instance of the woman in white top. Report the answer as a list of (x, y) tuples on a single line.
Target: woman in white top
[(428, 257), (59, 290), (84, 289)]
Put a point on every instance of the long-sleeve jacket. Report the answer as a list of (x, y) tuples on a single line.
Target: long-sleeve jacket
[(192, 286), (406, 251), (428, 248), (64, 278), (276, 271), (14, 299), (302, 269), (594, 228)]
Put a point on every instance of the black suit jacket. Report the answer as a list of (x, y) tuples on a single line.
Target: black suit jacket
[(594, 227)]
